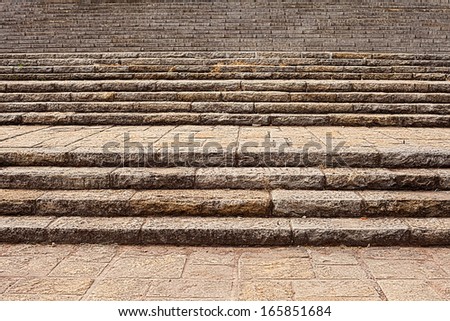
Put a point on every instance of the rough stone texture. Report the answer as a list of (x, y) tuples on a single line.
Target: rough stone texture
[(396, 203), (201, 203), (18, 201), (79, 178), (265, 290), (168, 266), (409, 290), (355, 232), (401, 26), (95, 230), (215, 231), (85, 202), (217, 146), (322, 289), (67, 286), (31, 272), (278, 268), (316, 203), (226, 231), (259, 178)]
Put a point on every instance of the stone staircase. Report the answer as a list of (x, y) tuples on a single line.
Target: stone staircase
[(225, 148)]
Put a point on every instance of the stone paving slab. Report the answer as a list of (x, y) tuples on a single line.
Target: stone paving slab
[(198, 146), (112, 272)]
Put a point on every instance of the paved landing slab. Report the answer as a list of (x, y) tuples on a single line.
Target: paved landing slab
[(225, 146), (112, 272)]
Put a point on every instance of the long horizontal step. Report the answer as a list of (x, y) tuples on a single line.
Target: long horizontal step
[(227, 54), (58, 118), (220, 203), (78, 178), (230, 67), (225, 85), (226, 231), (229, 96), (274, 60), (224, 146), (282, 75), (226, 107)]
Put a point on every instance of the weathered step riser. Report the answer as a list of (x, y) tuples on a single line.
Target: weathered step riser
[(218, 62), (224, 119), (236, 96), (221, 69), (226, 232), (223, 203), (98, 157), (226, 54), (225, 107), (226, 76), (225, 85), (73, 178)]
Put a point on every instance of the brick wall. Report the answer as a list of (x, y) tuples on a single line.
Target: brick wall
[(421, 26)]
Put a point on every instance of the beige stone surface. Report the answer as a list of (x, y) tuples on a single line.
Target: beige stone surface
[(410, 290), (78, 268), (27, 265), (213, 255), (119, 289), (327, 255), (405, 269), (276, 268), (94, 253), (330, 288), (163, 266), (114, 272), (209, 272), (340, 272), (265, 290), (65, 286), (194, 289)]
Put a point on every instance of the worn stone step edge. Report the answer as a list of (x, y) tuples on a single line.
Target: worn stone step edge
[(221, 68), (226, 54), (230, 96), (398, 156), (397, 120), (277, 61), (79, 178), (226, 231), (226, 107), (258, 75), (298, 86), (218, 202)]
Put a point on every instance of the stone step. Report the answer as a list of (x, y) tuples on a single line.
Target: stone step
[(226, 54), (226, 107), (193, 118), (229, 146), (294, 86), (220, 203), (226, 231), (230, 96), (211, 67), (268, 61), (207, 75), (269, 178), (230, 67)]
